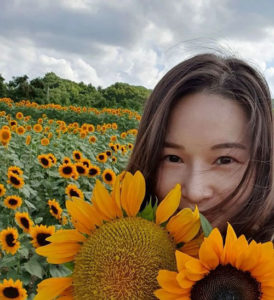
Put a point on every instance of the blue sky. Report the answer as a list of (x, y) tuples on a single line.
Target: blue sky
[(133, 41)]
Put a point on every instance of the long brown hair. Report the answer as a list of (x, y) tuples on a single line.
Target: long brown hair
[(233, 79)]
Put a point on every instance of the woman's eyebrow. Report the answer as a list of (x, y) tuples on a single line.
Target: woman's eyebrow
[(229, 145), (215, 147)]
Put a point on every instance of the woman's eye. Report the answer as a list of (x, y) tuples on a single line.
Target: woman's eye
[(225, 160), (173, 158)]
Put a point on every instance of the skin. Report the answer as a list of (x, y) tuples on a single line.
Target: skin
[(207, 152)]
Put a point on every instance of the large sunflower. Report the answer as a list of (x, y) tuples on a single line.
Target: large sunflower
[(10, 289), (9, 240), (45, 160), (235, 270), (67, 170), (117, 251)]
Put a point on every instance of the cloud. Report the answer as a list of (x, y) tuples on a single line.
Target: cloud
[(129, 40)]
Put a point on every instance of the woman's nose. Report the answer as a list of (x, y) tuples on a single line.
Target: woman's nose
[(197, 187)]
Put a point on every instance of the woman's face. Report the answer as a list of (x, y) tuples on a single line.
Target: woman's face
[(206, 151)]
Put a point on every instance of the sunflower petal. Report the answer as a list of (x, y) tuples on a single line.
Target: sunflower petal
[(133, 193), (51, 288), (185, 225), (169, 205), (103, 202)]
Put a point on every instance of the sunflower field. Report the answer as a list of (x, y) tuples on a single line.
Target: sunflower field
[(50, 154)]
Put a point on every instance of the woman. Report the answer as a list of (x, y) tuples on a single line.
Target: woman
[(208, 126)]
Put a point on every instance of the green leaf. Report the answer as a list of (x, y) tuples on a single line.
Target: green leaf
[(206, 226), (29, 204), (148, 212), (34, 267), (59, 271)]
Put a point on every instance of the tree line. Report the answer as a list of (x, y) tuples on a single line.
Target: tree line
[(53, 89)]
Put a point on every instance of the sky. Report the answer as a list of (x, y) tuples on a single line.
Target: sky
[(133, 41)]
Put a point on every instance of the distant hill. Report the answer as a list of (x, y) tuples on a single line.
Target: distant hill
[(54, 89)]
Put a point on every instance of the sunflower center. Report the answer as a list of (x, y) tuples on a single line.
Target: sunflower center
[(227, 283), (14, 180), (44, 161), (13, 202), (108, 177), (80, 170), (25, 222), (67, 170), (54, 209), (41, 239), (121, 260), (73, 193), (92, 172), (10, 240), (11, 292)]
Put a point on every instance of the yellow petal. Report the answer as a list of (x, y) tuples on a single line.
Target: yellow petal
[(51, 288), (83, 215), (103, 202), (167, 280), (185, 225), (169, 205), (231, 238), (58, 250), (192, 247), (181, 259), (133, 193), (165, 295), (66, 235)]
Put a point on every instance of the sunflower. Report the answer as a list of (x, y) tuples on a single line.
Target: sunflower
[(20, 130), (123, 135), (86, 162), (114, 126), (73, 191), (81, 168), (66, 160), (114, 159), (113, 138), (19, 116), (91, 128), (94, 171), (37, 128), (102, 157), (45, 160), (15, 170), (15, 180), (40, 233), (5, 136), (52, 158), (2, 190), (10, 289), (13, 201), (24, 221), (77, 155), (117, 253), (235, 270), (108, 153), (9, 240), (108, 176), (130, 146), (44, 141), (28, 139), (67, 170), (55, 209), (13, 123), (92, 139)]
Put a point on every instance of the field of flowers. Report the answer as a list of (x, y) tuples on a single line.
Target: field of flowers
[(45, 161)]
